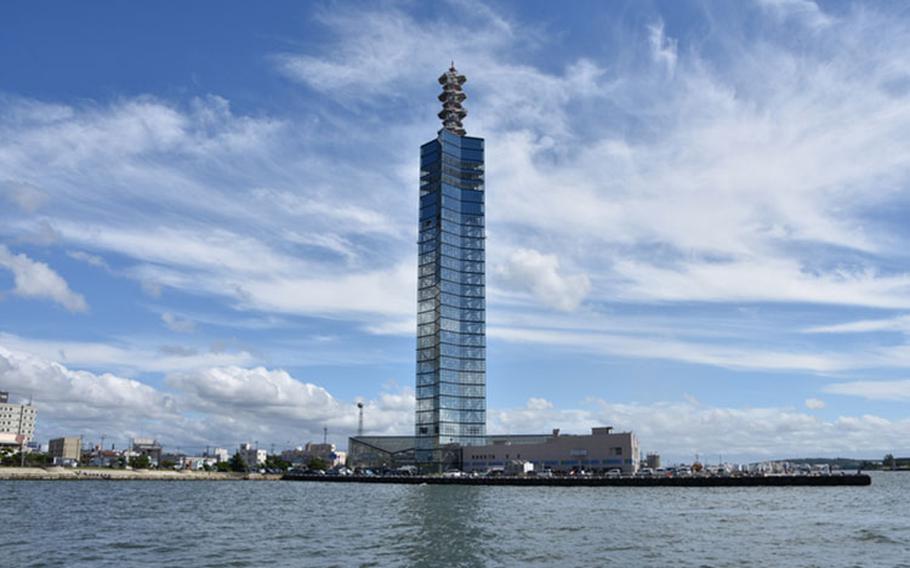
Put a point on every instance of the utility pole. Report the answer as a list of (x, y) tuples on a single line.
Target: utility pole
[(325, 435)]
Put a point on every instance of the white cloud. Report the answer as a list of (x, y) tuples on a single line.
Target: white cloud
[(177, 323), (218, 404), (35, 279), (663, 48), (531, 271), (41, 233), (90, 259), (252, 273), (760, 279), (80, 397), (213, 405), (873, 390), (736, 433), (27, 196), (899, 323), (806, 11), (124, 357), (715, 183), (814, 404), (704, 353), (539, 404)]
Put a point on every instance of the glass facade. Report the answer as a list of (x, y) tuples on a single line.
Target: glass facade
[(451, 310)]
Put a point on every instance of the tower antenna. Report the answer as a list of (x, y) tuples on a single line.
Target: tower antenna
[(451, 97), (360, 420)]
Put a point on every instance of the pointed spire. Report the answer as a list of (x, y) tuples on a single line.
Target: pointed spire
[(451, 97)]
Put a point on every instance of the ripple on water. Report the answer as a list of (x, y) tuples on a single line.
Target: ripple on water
[(323, 525)]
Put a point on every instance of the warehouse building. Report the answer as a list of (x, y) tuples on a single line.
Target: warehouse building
[(65, 451), (601, 450)]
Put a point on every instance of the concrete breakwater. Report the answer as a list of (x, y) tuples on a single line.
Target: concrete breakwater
[(694, 481), (76, 474)]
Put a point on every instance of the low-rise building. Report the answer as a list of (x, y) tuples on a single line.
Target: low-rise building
[(220, 455), (381, 452), (104, 458), (601, 450), (198, 463), (147, 447), (172, 460), (66, 450)]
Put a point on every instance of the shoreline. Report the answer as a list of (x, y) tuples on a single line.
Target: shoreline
[(81, 474)]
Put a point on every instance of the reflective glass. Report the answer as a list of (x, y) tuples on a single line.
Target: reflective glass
[(451, 329)]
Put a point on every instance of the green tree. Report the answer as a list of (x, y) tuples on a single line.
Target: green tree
[(140, 462), (237, 463), (8, 457), (317, 463), (223, 466), (889, 462), (275, 462), (37, 459)]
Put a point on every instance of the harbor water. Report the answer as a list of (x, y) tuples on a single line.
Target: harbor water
[(212, 523)]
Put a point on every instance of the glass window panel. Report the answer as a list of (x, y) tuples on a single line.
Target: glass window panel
[(424, 379), (427, 417)]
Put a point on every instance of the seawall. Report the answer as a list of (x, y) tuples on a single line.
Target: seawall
[(695, 481)]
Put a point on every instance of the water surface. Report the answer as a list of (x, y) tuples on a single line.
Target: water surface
[(218, 523)]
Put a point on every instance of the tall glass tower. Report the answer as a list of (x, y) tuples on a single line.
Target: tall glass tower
[(451, 320)]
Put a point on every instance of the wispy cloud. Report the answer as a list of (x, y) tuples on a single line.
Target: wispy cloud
[(873, 390), (804, 11), (663, 48), (753, 181), (899, 323), (36, 279), (123, 357), (178, 323)]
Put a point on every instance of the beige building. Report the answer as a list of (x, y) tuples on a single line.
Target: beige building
[(68, 449), (17, 422), (601, 450)]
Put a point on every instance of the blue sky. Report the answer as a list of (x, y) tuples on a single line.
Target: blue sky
[(696, 218)]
